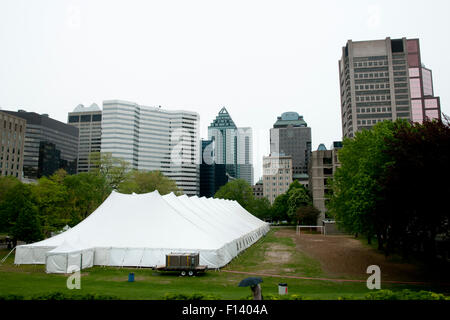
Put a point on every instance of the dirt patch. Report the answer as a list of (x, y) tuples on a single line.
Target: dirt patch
[(277, 254), (344, 256)]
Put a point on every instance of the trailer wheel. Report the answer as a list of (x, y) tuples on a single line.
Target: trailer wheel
[(190, 273), (183, 273)]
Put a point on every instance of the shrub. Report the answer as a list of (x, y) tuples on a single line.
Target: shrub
[(405, 295), (194, 296)]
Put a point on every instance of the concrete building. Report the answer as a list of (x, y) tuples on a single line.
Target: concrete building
[(12, 138), (88, 120), (322, 167), (258, 190), (233, 146), (151, 138), (291, 135), (277, 175), (49, 145), (384, 80)]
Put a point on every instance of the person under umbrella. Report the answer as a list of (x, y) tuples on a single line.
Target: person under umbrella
[(253, 283)]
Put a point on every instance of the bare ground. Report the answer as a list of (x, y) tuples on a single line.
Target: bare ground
[(343, 256)]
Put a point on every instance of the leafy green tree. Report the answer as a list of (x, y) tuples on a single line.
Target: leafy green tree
[(6, 184), (356, 184), (260, 208), (86, 191), (239, 190), (280, 208), (297, 197), (148, 181), (51, 199), (18, 214)]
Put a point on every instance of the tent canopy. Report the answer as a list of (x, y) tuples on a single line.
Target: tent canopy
[(140, 229)]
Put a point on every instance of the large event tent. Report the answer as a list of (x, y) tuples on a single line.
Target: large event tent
[(138, 230)]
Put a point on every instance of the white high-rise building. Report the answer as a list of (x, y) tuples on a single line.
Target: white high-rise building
[(151, 138), (88, 120)]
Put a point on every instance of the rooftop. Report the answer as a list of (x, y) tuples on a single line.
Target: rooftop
[(290, 118)]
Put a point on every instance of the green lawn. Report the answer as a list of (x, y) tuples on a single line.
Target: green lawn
[(31, 280)]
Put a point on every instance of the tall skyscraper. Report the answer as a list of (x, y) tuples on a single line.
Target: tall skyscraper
[(12, 138), (151, 138), (49, 145), (291, 136), (384, 80), (233, 146), (88, 120)]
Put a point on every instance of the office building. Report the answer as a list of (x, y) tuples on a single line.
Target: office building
[(322, 167), (212, 175), (152, 138), (384, 80), (258, 189), (12, 138), (277, 175), (49, 145), (88, 120), (291, 136), (233, 146)]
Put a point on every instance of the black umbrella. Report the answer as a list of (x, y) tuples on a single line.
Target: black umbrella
[(250, 282)]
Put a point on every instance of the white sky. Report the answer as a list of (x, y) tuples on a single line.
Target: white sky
[(257, 58)]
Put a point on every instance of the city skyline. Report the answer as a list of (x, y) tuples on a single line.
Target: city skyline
[(258, 59)]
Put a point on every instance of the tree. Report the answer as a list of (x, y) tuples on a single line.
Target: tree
[(51, 200), (6, 184), (148, 181), (415, 214), (356, 184), (18, 214), (239, 190), (85, 192), (280, 208), (307, 215), (260, 208), (114, 170), (297, 197)]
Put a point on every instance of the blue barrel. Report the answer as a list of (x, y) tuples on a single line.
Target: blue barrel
[(131, 277)]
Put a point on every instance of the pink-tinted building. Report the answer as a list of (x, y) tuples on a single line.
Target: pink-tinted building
[(423, 102), (384, 80)]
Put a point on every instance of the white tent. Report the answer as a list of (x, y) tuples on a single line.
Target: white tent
[(68, 257), (140, 229)]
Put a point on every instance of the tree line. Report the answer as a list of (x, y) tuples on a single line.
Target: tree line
[(392, 186), (294, 206)]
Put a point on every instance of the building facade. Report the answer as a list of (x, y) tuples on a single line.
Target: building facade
[(258, 190), (384, 80), (291, 136), (233, 146), (212, 175), (88, 120), (322, 167), (151, 138), (49, 145), (12, 138), (277, 175)]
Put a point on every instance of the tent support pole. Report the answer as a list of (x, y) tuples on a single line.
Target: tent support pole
[(6, 257)]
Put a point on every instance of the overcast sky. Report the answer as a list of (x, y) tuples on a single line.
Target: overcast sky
[(257, 58)]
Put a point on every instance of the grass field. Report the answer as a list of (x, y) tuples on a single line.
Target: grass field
[(31, 280)]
